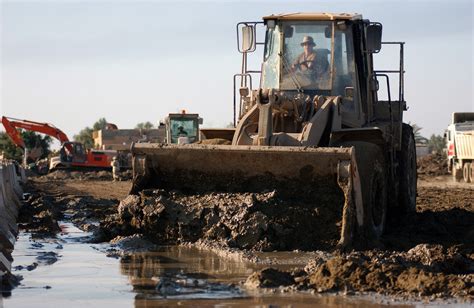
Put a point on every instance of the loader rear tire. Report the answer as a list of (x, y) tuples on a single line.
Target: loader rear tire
[(466, 172), (407, 172), (374, 184)]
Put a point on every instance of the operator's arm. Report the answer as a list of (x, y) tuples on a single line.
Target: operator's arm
[(297, 63)]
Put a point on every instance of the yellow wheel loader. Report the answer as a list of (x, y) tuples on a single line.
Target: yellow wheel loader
[(314, 130)]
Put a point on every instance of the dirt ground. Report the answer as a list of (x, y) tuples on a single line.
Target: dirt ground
[(429, 254)]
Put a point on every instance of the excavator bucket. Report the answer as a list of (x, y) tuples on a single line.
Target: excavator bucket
[(327, 176)]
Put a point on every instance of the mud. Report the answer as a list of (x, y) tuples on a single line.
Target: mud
[(251, 221), (424, 271), (41, 212), (428, 255)]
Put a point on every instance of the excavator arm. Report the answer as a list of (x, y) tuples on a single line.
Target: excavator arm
[(11, 126)]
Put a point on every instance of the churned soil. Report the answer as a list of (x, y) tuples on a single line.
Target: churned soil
[(83, 202), (256, 221), (429, 253), (423, 271)]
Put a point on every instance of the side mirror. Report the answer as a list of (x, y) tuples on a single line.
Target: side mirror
[(200, 121), (374, 84), (374, 37), (248, 39)]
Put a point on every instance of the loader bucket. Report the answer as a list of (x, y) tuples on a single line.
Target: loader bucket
[(327, 176)]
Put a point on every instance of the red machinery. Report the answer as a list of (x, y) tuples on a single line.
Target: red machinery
[(72, 154)]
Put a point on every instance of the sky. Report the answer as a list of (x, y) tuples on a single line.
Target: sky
[(72, 62)]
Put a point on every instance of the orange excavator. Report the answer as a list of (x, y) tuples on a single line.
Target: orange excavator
[(72, 155)]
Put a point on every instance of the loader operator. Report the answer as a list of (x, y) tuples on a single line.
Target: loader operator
[(306, 61), (182, 132)]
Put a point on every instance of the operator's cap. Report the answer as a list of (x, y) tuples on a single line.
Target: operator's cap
[(308, 40)]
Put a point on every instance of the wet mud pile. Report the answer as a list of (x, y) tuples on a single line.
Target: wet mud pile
[(429, 253), (39, 215), (425, 270), (432, 165), (250, 221), (40, 211)]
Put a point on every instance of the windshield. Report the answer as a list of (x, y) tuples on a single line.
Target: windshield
[(298, 56), (183, 127), (306, 56)]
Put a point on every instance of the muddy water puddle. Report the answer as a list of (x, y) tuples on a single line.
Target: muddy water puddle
[(66, 271)]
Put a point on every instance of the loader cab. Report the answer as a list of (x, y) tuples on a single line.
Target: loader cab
[(343, 66), (182, 125), (335, 71)]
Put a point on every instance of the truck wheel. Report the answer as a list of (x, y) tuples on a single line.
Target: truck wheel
[(457, 174), (374, 184), (466, 172), (472, 173), (407, 171)]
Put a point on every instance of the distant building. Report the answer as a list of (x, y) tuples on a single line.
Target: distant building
[(422, 150)]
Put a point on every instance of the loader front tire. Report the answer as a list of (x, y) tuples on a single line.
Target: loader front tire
[(407, 172), (374, 184)]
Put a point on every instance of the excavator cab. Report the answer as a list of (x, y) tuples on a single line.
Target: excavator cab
[(70, 153)]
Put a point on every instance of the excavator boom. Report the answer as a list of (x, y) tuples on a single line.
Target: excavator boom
[(11, 125)]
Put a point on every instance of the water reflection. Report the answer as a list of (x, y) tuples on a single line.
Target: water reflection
[(173, 276), (183, 272)]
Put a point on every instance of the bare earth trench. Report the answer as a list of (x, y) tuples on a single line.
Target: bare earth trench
[(428, 256)]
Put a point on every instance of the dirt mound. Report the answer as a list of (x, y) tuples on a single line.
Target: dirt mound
[(426, 270), (432, 165), (257, 221)]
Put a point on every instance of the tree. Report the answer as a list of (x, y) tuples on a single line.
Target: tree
[(419, 139), (436, 144), (85, 135), (32, 140), (144, 125)]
